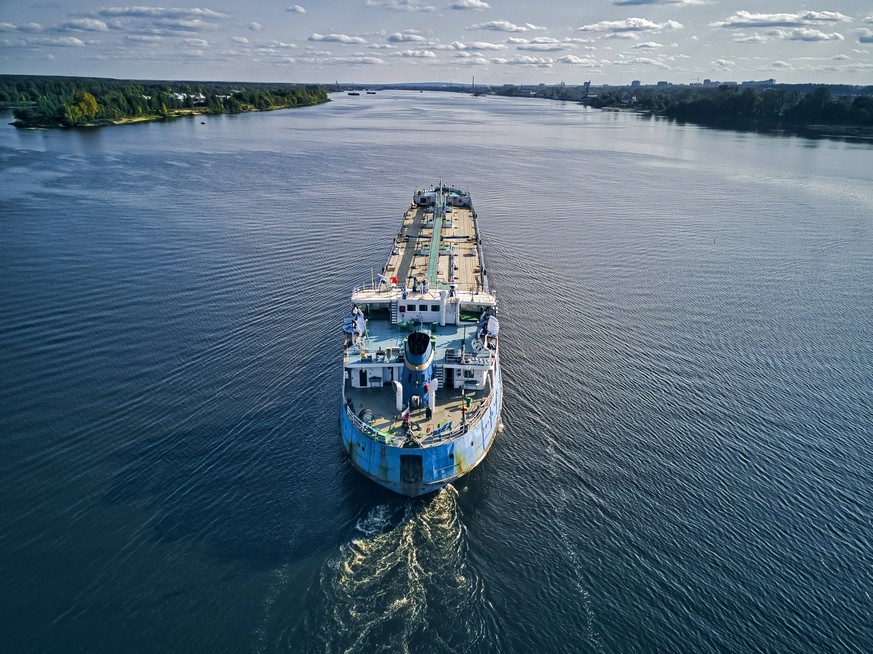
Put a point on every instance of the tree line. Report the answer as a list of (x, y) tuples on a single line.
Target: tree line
[(41, 101), (777, 105)]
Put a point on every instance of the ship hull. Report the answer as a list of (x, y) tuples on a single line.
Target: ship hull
[(419, 471)]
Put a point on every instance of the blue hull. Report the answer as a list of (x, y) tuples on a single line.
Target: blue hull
[(418, 471)]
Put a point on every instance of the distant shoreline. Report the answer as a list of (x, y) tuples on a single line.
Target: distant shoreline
[(760, 125), (44, 102), (814, 113), (152, 118)]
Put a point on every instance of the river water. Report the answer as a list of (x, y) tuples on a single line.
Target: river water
[(687, 325)]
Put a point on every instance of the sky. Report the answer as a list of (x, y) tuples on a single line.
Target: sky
[(393, 41)]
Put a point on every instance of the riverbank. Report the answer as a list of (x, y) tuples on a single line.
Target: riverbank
[(149, 118), (814, 113), (762, 125), (40, 102)]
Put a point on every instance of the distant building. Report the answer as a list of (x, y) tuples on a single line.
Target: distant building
[(635, 83), (759, 85), (663, 84)]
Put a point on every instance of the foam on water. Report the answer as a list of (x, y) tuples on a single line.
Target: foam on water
[(402, 575)]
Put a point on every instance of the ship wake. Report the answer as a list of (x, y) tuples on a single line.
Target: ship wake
[(403, 581)]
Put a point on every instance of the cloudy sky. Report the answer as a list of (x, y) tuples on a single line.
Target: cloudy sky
[(497, 41)]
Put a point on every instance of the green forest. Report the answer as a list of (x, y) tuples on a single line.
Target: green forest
[(39, 101), (774, 105)]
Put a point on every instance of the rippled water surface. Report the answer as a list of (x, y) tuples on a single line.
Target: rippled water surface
[(685, 463)]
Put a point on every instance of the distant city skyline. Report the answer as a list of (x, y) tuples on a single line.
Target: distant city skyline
[(396, 41)]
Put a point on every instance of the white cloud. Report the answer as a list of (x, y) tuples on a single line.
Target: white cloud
[(743, 19), (723, 63), (239, 39), (356, 59), (159, 12), (381, 46), (186, 24), (505, 26), (808, 34), (336, 38), (470, 4), (84, 25), (641, 61), (296, 9), (524, 60), (406, 36), (255, 27), (577, 61), (160, 20), (865, 35), (194, 43), (417, 54), (780, 64), (630, 25), (466, 59), (741, 37), (63, 41), (400, 5), (280, 45), (541, 44), (648, 44), (143, 38), (477, 45), (7, 27), (841, 57)]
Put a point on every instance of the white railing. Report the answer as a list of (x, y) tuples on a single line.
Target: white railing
[(470, 419)]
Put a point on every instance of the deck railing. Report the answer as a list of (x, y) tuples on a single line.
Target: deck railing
[(396, 440)]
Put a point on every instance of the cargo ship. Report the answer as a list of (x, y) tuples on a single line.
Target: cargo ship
[(421, 386)]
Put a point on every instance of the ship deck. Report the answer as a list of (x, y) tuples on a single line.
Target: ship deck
[(451, 343), (440, 244), (451, 407)]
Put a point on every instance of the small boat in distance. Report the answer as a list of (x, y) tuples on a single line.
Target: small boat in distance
[(421, 387), (354, 93)]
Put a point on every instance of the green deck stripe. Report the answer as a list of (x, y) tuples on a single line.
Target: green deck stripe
[(433, 261)]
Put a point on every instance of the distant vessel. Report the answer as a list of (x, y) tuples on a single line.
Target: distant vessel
[(371, 93), (421, 388), (354, 93)]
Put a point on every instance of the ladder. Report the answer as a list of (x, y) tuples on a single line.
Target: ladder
[(440, 372), (393, 312)]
